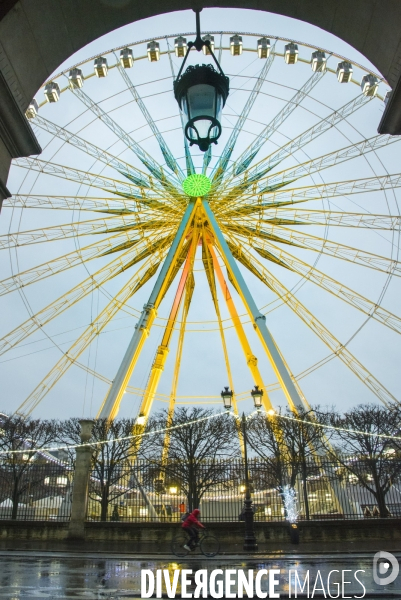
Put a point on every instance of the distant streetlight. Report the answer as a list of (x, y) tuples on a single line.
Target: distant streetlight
[(227, 396), (257, 396), (141, 419)]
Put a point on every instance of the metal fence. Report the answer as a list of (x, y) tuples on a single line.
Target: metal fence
[(146, 491), (35, 490)]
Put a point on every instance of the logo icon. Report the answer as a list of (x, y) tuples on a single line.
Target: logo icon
[(382, 563)]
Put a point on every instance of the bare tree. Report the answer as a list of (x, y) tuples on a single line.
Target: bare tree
[(289, 444), (198, 442), (372, 459), (21, 440), (116, 447)]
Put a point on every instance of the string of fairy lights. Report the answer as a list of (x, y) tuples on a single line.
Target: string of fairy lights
[(271, 413)]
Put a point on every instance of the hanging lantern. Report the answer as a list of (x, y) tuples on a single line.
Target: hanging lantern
[(201, 93)]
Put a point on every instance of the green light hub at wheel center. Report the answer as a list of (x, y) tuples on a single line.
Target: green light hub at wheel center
[(196, 185)]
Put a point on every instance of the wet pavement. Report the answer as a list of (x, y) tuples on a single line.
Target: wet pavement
[(64, 575)]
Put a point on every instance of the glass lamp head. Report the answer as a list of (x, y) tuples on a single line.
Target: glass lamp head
[(201, 93)]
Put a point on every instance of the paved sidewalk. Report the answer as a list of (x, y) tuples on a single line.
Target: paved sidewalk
[(66, 575)]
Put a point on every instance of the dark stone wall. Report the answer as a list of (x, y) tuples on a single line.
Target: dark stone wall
[(154, 538)]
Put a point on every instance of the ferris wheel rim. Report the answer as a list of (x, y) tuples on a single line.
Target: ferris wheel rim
[(311, 266)]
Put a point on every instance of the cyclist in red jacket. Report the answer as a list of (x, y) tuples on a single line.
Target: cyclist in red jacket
[(191, 526)]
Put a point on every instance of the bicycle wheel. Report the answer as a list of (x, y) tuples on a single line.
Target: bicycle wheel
[(177, 545), (209, 546)]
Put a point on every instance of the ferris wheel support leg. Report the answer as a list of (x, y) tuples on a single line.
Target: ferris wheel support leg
[(295, 399), (111, 404), (229, 375), (163, 348), (251, 359), (259, 320)]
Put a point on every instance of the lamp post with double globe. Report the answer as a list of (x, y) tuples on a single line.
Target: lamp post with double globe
[(250, 543)]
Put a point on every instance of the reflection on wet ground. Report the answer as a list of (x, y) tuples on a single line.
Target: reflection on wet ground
[(58, 575)]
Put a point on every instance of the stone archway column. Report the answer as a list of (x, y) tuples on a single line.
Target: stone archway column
[(81, 483)]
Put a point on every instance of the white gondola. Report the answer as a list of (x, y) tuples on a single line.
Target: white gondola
[(369, 85), (236, 45), (263, 48), (52, 92), (32, 109), (387, 96), (126, 58), (318, 61), (100, 65), (75, 78), (209, 38), (180, 46), (344, 72), (154, 51), (291, 53)]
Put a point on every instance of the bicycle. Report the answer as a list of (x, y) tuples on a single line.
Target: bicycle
[(208, 544)]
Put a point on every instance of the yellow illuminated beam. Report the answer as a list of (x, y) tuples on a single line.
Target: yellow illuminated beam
[(327, 283), (317, 327), (251, 360), (321, 245), (74, 295), (208, 262), (101, 226), (72, 259), (302, 216), (90, 333), (163, 349)]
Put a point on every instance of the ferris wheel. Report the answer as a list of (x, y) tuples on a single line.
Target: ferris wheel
[(296, 201)]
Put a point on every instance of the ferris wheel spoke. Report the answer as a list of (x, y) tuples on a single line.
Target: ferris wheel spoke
[(84, 178), (112, 205), (221, 165), (157, 171), (327, 283), (284, 216), (245, 257), (279, 180), (207, 157), (144, 273), (317, 192), (325, 124), (316, 244), (61, 232), (141, 179), (165, 150), (61, 304), (244, 160), (68, 261)]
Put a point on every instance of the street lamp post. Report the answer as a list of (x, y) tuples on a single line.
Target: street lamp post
[(249, 539), (250, 543)]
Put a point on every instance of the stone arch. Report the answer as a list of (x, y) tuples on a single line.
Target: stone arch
[(49, 31)]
